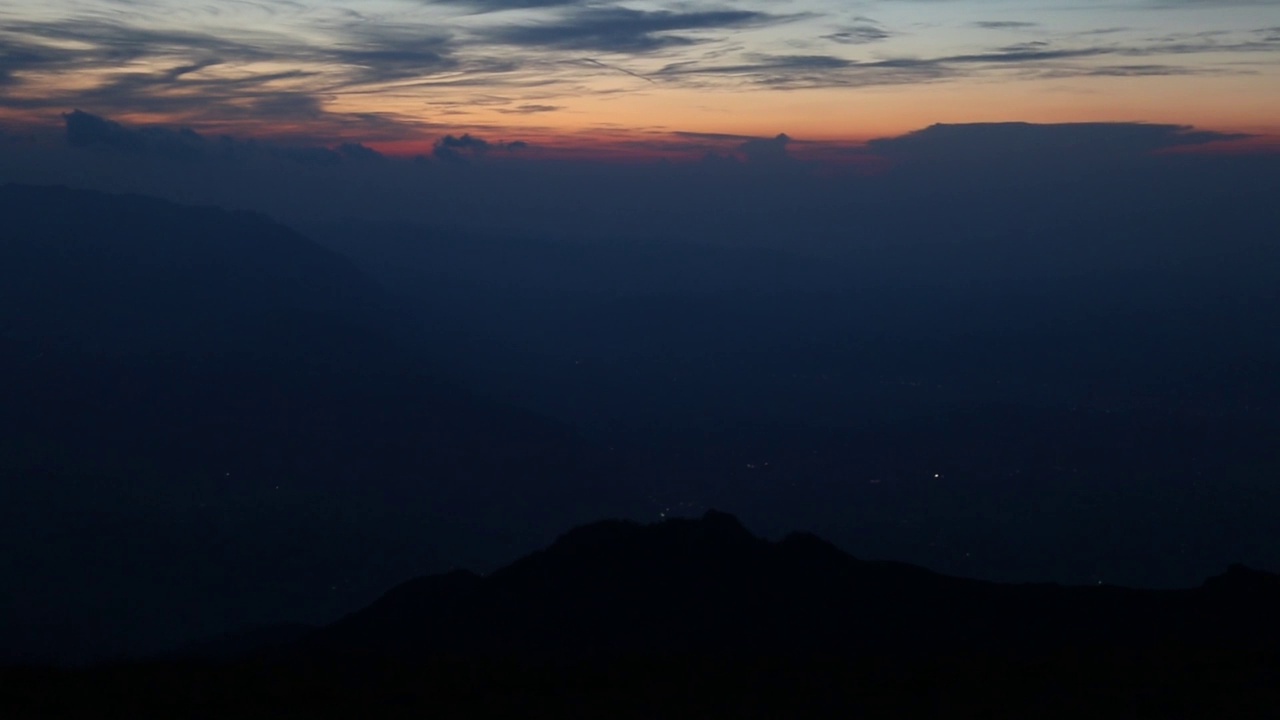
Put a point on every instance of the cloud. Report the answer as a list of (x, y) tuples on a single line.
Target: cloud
[(308, 65), (449, 144), (1211, 3), (16, 57), (1034, 59), (287, 106), (863, 31), (458, 149), (498, 5), (373, 53), (766, 152), (86, 130), (1068, 56), (811, 71), (1132, 70), (760, 63), (618, 29), (1031, 52), (1005, 24), (358, 152), (1094, 144), (529, 109), (123, 67)]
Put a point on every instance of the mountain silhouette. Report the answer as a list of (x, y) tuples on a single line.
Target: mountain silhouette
[(707, 586), (239, 643), (699, 618)]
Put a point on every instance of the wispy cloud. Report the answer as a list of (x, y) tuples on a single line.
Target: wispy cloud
[(1027, 142), (619, 29), (1036, 58), (861, 31), (498, 5), (530, 109), (407, 63), (1005, 24)]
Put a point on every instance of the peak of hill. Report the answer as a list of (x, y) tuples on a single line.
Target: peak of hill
[(714, 530), (708, 586), (698, 618)]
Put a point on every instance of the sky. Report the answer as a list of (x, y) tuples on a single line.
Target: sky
[(605, 77)]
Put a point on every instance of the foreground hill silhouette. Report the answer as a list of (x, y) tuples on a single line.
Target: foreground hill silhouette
[(709, 587), (186, 390), (699, 618)]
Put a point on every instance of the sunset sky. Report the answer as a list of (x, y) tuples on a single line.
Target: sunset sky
[(398, 74)]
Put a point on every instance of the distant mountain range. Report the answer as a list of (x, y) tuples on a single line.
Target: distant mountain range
[(220, 330), (165, 368), (135, 276)]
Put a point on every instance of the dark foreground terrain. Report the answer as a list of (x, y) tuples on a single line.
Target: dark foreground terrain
[(699, 618)]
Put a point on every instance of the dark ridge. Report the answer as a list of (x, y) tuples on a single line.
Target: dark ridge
[(697, 618), (593, 534), (240, 643), (1243, 580), (708, 587)]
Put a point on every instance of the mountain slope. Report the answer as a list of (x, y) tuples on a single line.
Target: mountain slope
[(708, 587), (203, 323), (202, 409), (130, 275), (698, 619)]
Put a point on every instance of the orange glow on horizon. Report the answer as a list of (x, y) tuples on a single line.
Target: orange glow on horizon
[(830, 139)]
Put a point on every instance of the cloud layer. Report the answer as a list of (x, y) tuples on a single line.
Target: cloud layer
[(387, 70)]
